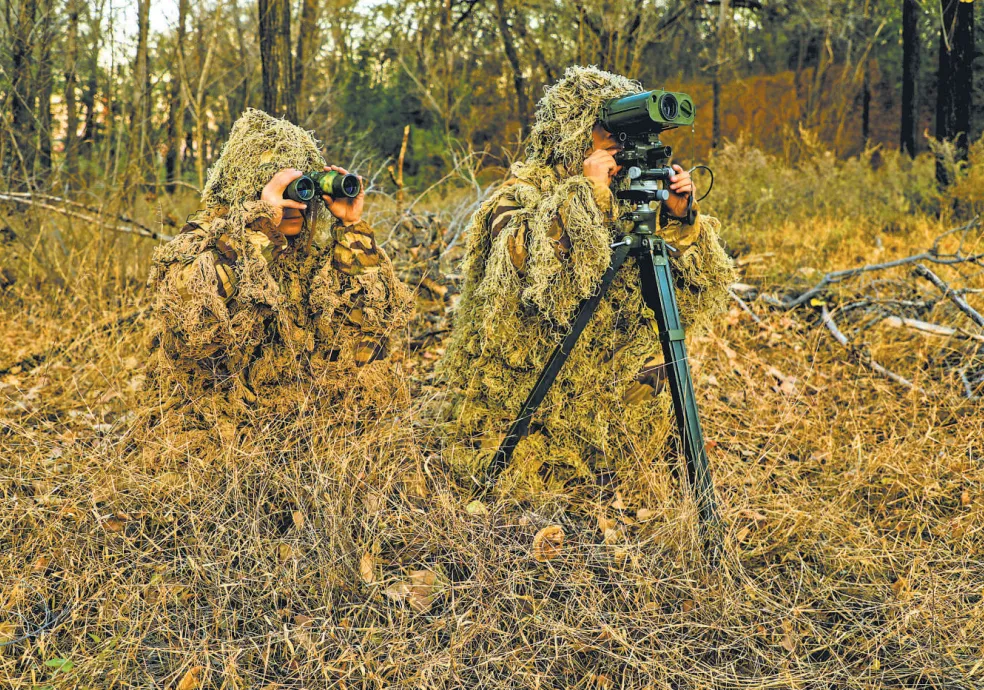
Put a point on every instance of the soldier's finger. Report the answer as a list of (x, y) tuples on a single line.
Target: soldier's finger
[(285, 177), (290, 203)]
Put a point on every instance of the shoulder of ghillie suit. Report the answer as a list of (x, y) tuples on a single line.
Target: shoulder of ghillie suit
[(568, 112)]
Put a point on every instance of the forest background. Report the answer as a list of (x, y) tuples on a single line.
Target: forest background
[(107, 92), (840, 394)]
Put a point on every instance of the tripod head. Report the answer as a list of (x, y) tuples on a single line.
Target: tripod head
[(643, 160)]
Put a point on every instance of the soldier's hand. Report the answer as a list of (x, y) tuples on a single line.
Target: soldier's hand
[(601, 167), (348, 211), (273, 193), (681, 187)]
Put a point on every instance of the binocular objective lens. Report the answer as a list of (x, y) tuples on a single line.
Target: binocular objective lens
[(351, 186), (668, 106)]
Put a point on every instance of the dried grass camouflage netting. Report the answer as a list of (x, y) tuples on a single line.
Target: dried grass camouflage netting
[(510, 318), (311, 324)]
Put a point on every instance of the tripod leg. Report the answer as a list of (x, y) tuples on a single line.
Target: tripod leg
[(520, 427), (659, 293)]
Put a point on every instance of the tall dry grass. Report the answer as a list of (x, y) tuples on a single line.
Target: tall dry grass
[(316, 554)]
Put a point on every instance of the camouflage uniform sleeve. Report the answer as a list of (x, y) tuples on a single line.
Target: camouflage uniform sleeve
[(211, 283), (360, 293), (700, 267), (558, 243)]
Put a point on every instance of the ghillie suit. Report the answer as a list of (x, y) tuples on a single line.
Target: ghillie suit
[(248, 322), (536, 248)]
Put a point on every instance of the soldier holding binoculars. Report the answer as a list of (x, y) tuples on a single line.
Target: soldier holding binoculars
[(270, 302)]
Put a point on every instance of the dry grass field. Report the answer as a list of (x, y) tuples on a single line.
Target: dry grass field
[(324, 553)]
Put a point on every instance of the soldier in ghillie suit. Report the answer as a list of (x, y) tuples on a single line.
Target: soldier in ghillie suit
[(536, 249), (267, 305)]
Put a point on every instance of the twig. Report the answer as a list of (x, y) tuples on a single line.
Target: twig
[(132, 230), (828, 321), (71, 202), (948, 292), (932, 255), (968, 385), (421, 340), (930, 328), (744, 305)]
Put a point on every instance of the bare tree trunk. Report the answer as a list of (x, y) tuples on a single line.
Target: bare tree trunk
[(141, 85), (722, 47), (519, 82), (23, 90), (176, 112), (276, 58), (44, 88), (306, 41), (89, 129), (866, 84), (910, 70), (71, 80), (956, 79)]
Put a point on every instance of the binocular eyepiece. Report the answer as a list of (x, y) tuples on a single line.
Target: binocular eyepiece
[(327, 183)]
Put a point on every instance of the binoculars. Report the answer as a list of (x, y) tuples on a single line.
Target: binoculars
[(326, 182)]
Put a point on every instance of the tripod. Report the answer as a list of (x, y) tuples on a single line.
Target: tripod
[(656, 280)]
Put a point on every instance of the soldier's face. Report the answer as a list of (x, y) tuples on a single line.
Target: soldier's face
[(292, 223)]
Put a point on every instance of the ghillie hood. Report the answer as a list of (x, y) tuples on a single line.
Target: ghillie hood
[(258, 147), (567, 113)]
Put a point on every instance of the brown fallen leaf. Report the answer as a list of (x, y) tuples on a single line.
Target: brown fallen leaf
[(191, 680), (605, 524), (476, 507), (113, 525), (687, 606), (298, 519), (965, 498), (753, 515), (548, 543), (367, 568), (644, 514), (425, 587)]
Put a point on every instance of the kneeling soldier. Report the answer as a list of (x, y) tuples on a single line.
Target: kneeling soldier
[(261, 297), (536, 249)]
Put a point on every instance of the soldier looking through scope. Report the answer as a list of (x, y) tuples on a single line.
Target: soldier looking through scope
[(539, 247)]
